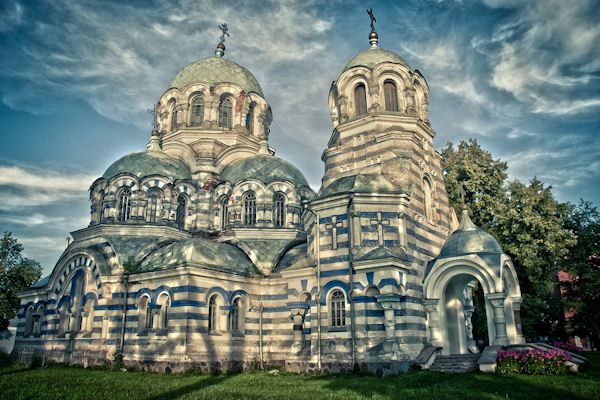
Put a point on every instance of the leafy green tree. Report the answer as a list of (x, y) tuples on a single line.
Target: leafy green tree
[(16, 273), (582, 291), (526, 220)]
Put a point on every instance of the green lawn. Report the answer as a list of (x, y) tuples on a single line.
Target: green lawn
[(77, 383)]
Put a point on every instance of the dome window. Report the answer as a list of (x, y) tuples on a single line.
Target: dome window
[(124, 206), (225, 113), (360, 99), (391, 95), (224, 212), (152, 209), (180, 214), (197, 111), (279, 209), (250, 209), (250, 118), (174, 119)]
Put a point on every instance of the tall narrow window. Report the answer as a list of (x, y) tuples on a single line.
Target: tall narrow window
[(28, 322), (338, 308), (152, 209), (360, 98), (38, 320), (250, 118), (279, 209), (234, 316), (225, 113), (144, 314), (180, 216), (250, 209), (124, 205), (174, 116), (224, 212), (197, 117), (428, 200), (391, 96), (212, 314), (164, 301)]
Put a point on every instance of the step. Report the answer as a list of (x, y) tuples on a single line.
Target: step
[(455, 363)]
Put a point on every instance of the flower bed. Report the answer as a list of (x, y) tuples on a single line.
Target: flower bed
[(532, 362), (568, 346)]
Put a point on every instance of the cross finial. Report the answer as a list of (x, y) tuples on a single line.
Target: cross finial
[(221, 46), (224, 32), (373, 37), (154, 112), (373, 20)]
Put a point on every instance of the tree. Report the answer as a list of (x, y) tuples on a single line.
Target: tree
[(525, 219), (582, 291), (16, 273)]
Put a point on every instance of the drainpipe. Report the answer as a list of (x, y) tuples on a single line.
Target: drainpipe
[(351, 277), (124, 317), (318, 294), (260, 334)]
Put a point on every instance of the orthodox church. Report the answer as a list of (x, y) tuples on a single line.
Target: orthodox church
[(208, 251)]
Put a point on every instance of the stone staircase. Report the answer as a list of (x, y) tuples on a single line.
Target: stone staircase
[(455, 363)]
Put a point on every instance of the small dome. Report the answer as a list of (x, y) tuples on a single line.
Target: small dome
[(266, 168), (215, 70), (200, 252), (361, 183), (147, 163), (373, 56), (469, 239)]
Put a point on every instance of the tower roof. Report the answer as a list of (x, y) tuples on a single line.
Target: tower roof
[(373, 56), (469, 239), (265, 168)]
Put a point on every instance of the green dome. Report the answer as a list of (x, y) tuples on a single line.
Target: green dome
[(265, 168), (361, 183), (215, 70), (147, 163), (373, 56), (200, 252), (469, 239)]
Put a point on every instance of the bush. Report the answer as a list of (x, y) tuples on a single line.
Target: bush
[(568, 346), (532, 362), (5, 359), (118, 359)]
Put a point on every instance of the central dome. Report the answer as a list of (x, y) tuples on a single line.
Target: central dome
[(215, 70), (146, 163), (373, 56), (265, 168)]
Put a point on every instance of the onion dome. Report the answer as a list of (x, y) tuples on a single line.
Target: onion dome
[(469, 239), (375, 55), (265, 168), (361, 183), (201, 253), (216, 70), (149, 162)]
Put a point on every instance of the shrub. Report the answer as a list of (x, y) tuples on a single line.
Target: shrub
[(5, 359), (568, 346), (118, 359), (533, 362)]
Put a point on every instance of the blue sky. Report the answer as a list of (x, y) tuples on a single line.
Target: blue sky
[(76, 79)]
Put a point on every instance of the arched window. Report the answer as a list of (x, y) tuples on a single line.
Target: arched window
[(174, 116), (144, 314), (279, 209), (250, 118), (180, 216), (63, 319), (164, 302), (197, 113), (225, 113), (224, 212), (152, 209), (250, 209), (38, 320), (77, 291), (88, 316), (360, 98), (428, 200), (337, 306), (391, 95), (235, 315), (28, 322), (212, 314), (124, 205)]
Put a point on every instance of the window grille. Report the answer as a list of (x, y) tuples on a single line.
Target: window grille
[(212, 314), (338, 308), (180, 214), (250, 209), (279, 209), (225, 113), (197, 111), (124, 205)]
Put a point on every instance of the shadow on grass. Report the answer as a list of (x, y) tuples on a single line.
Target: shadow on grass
[(16, 371), (202, 383)]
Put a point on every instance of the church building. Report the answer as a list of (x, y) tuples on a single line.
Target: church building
[(208, 251)]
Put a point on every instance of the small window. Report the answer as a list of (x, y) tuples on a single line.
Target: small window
[(38, 320), (428, 200), (197, 117), (224, 212), (88, 316), (124, 206), (279, 209), (360, 98), (212, 314), (250, 209), (235, 315), (144, 314), (391, 95), (152, 210), (225, 113), (250, 118), (63, 319), (180, 214), (28, 322), (338, 308), (174, 116), (164, 302)]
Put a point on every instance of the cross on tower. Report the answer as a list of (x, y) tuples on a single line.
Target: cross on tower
[(334, 225), (154, 112), (380, 222)]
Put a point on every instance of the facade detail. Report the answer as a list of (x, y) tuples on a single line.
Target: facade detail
[(206, 250)]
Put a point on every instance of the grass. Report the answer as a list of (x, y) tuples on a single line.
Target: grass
[(18, 382)]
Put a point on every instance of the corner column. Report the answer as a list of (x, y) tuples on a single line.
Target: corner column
[(497, 301)]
